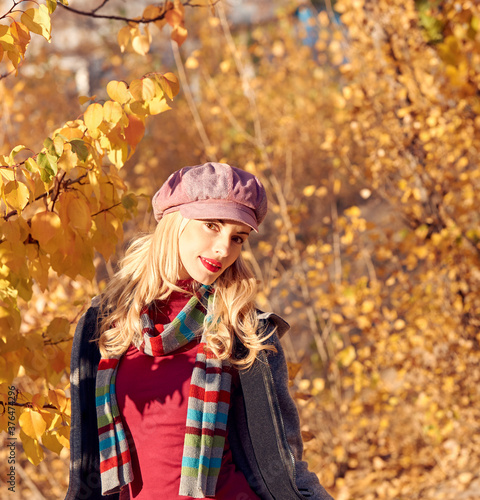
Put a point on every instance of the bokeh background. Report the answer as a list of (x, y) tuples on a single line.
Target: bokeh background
[(361, 117)]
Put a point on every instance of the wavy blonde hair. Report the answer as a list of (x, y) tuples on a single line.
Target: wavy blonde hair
[(149, 271)]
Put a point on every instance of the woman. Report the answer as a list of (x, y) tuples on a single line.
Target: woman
[(183, 378)]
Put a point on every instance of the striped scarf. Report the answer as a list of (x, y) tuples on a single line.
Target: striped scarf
[(208, 404)]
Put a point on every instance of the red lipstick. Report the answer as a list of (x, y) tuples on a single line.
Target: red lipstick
[(211, 264)]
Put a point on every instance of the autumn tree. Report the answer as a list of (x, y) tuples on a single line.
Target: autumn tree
[(61, 205)]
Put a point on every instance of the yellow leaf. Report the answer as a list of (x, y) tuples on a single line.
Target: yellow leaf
[(123, 38), (152, 12), (105, 237), (63, 436), (112, 112), (32, 448), (318, 385), (346, 356), (49, 415), (83, 99), (50, 441), (7, 174), (421, 252), (353, 211), (119, 155), (16, 195), (399, 324), (192, 63), (45, 226), (118, 91), (293, 369), (337, 184), (57, 398), (58, 329), (157, 106), (51, 5), (368, 306), (38, 400), (336, 318), (58, 144), (142, 90), (141, 44), (169, 83), (93, 116), (32, 423), (38, 21), (309, 190), (363, 322)]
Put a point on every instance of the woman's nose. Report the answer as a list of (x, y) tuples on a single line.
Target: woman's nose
[(222, 247)]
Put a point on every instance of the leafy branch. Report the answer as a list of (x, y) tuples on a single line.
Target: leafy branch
[(141, 20), (50, 192)]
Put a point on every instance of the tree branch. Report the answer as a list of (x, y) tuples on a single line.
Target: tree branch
[(142, 20), (8, 73), (12, 9), (27, 405), (106, 209), (100, 6), (93, 13)]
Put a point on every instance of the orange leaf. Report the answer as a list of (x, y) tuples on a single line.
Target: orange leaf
[(135, 130), (179, 34), (20, 34), (174, 17)]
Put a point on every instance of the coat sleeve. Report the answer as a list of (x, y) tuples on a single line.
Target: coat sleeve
[(307, 482), (84, 480)]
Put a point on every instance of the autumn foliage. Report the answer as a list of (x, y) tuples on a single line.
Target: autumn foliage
[(363, 124)]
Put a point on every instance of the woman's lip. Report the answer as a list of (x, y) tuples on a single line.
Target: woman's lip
[(211, 264)]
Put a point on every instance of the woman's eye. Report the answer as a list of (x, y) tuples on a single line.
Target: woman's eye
[(210, 225), (238, 239)]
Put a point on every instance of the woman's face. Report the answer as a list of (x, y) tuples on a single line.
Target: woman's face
[(209, 247)]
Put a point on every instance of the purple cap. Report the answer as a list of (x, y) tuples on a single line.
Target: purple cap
[(213, 191)]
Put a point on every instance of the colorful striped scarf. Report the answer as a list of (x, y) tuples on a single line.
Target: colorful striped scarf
[(208, 404)]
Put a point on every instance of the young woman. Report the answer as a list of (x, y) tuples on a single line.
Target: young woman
[(179, 384)]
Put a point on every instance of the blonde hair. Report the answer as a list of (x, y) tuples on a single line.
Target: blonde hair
[(149, 271)]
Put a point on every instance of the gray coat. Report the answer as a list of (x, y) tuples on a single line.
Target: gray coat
[(263, 424)]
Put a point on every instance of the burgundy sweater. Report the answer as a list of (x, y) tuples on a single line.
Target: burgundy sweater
[(152, 394)]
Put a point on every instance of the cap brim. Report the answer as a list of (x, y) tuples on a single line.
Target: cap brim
[(219, 211)]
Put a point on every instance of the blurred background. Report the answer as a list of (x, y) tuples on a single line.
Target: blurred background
[(362, 120)]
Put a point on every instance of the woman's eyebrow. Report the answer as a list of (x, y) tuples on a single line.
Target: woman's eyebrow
[(222, 222)]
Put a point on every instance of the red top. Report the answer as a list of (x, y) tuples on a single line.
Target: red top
[(152, 394)]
